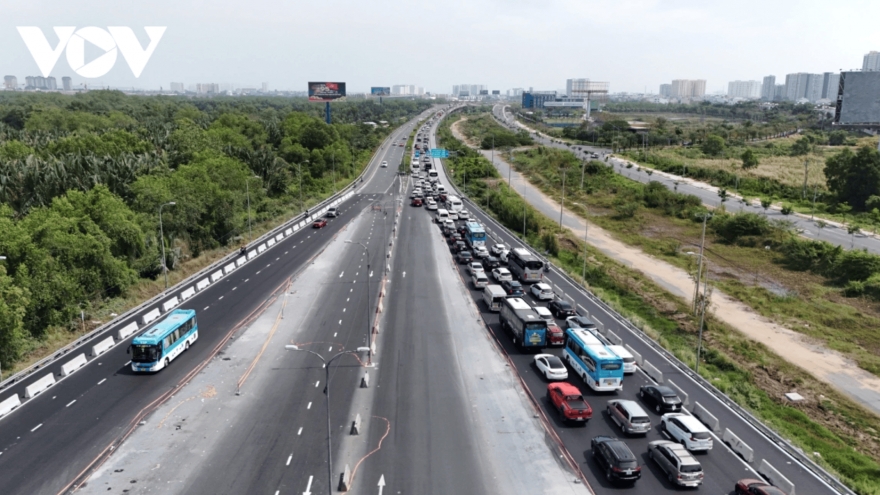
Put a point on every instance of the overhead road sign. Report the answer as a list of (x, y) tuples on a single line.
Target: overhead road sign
[(439, 153)]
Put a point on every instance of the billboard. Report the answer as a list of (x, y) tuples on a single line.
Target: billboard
[(496, 92), (380, 91), (859, 99), (326, 91), (484, 91)]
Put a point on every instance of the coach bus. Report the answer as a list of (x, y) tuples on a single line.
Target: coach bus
[(475, 234), (154, 349), (524, 266), (529, 330), (600, 368)]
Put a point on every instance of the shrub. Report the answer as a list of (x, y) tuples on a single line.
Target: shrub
[(732, 227)]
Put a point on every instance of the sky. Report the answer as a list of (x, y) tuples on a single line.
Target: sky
[(503, 44)]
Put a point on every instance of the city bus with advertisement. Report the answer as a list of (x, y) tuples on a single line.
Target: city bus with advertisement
[(475, 234), (529, 330), (600, 368), (154, 349), (525, 266)]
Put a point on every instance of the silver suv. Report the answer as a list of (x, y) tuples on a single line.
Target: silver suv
[(629, 416), (682, 468)]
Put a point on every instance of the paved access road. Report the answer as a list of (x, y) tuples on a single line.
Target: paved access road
[(51, 440), (708, 195), (722, 467)]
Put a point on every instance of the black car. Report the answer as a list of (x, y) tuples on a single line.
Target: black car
[(464, 257), (512, 288), (561, 308), (459, 246), (454, 238), (491, 262), (664, 399), (578, 321), (615, 457)]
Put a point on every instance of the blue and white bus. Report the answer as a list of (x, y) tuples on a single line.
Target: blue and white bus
[(600, 368), (475, 234), (164, 341)]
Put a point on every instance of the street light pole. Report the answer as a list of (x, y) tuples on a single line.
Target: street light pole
[(162, 238), (700, 265), (327, 364), (586, 227), (247, 189), (562, 203), (369, 324)]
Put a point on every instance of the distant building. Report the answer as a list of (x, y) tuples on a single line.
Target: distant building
[(515, 92), (814, 87), (796, 86), (666, 90), (744, 89), (871, 61), (536, 99), (207, 88), (51, 83), (830, 83), (407, 90), (768, 88), (265, 87), (66, 83), (29, 82), (687, 88), (779, 93), (177, 87), (10, 82), (573, 85), (467, 89)]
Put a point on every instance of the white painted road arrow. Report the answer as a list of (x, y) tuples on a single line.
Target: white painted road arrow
[(381, 484), (309, 487)]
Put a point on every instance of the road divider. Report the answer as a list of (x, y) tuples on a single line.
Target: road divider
[(706, 417), (201, 284), (637, 356), (345, 480), (216, 276), (150, 316), (599, 325), (583, 310), (167, 305), (775, 477), (279, 237), (124, 332), (356, 425), (261, 248), (685, 401), (9, 404), (651, 371), (188, 293), (102, 346), (252, 254), (74, 364), (288, 231), (613, 338), (240, 261), (270, 243), (228, 268), (738, 446), (40, 385)]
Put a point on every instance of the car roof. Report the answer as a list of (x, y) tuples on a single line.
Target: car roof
[(541, 310), (692, 423), (664, 390), (565, 388), (620, 449), (563, 302), (679, 450)]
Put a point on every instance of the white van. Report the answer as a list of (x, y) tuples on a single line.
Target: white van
[(433, 174), (629, 362), (441, 216), (453, 203), (440, 189), (494, 296)]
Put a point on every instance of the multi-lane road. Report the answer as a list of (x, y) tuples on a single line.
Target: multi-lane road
[(708, 195)]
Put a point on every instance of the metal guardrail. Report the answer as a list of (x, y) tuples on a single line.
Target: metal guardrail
[(757, 424), (41, 364)]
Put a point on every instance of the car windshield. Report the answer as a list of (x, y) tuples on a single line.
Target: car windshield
[(141, 353), (701, 435)]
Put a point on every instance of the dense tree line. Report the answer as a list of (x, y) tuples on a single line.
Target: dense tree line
[(82, 179)]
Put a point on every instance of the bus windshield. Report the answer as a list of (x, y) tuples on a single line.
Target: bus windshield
[(534, 264), (141, 353), (610, 366)]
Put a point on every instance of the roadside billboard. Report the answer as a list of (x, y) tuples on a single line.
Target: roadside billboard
[(326, 91), (380, 91), (496, 91), (484, 91)]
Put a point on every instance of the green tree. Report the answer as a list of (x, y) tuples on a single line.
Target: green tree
[(14, 301), (713, 145), (854, 177), (801, 147), (837, 138), (765, 203), (749, 159)]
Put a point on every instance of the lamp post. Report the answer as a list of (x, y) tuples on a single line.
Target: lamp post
[(586, 227), (562, 203), (704, 305), (162, 239), (369, 333), (247, 190), (327, 364)]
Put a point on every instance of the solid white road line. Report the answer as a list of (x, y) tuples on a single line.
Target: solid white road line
[(36, 427), (102, 381), (71, 403)]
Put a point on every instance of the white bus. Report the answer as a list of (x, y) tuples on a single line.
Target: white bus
[(524, 266), (453, 203)]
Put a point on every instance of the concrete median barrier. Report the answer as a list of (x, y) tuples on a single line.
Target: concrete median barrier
[(279, 237), (288, 231), (150, 316), (685, 401), (637, 356), (583, 311), (9, 404), (216, 276), (738, 446), (170, 303), (600, 326), (188, 293), (613, 338), (74, 364), (775, 477), (252, 254), (653, 372), (102, 346), (229, 268), (127, 330), (270, 243), (240, 261), (356, 425), (344, 480), (261, 248), (40, 385), (201, 284), (706, 417)]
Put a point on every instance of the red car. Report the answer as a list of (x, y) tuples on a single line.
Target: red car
[(750, 486), (557, 336), (319, 223), (567, 399), (416, 202)]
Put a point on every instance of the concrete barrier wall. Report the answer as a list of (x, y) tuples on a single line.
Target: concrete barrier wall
[(188, 293), (252, 254), (102, 346), (74, 364), (261, 248), (150, 316), (685, 401), (270, 243), (201, 284), (288, 231), (614, 338), (216, 275), (583, 311), (776, 478), (706, 417), (9, 404), (167, 305), (652, 371), (40, 385), (737, 445), (279, 237), (229, 268), (636, 355), (600, 326), (241, 260), (127, 330)]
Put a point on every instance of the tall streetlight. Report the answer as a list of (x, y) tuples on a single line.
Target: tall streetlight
[(300, 168), (247, 191), (162, 237), (562, 203), (586, 228), (704, 305), (369, 332), (327, 364)]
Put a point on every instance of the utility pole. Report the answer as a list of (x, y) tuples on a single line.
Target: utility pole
[(162, 236), (700, 264), (583, 171), (815, 193), (806, 165), (562, 203)]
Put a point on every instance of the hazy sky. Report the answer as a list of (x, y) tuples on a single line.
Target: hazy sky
[(503, 44)]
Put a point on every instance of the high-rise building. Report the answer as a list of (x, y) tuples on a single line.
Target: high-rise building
[(744, 89), (814, 87), (29, 82), (779, 93), (830, 83), (66, 83), (207, 88), (768, 88), (666, 90), (10, 82), (687, 88), (796, 86), (40, 82), (265, 87), (177, 87), (871, 61), (51, 83), (573, 85)]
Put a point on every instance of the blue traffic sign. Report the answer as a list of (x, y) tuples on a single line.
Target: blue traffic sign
[(439, 153)]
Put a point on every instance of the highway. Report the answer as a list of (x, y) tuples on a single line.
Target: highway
[(721, 465), (832, 232)]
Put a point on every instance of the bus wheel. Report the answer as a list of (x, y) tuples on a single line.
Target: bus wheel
[(167, 362), (186, 346)]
